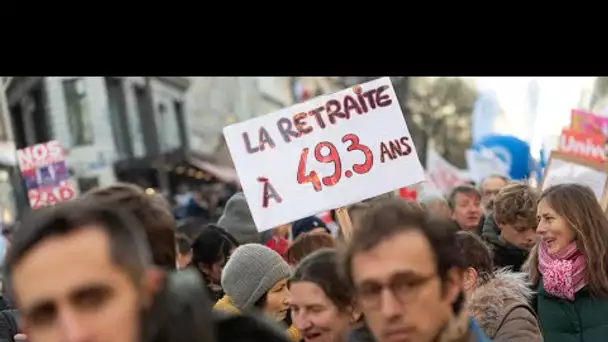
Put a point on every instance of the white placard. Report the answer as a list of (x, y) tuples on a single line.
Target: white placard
[(364, 128), (562, 172), (441, 173)]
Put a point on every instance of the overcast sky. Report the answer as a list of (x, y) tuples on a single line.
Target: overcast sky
[(558, 95)]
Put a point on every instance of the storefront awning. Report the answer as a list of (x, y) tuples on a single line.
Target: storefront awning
[(175, 160), (224, 173)]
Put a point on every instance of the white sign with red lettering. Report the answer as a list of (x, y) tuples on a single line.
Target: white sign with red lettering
[(39, 155), (323, 154), (51, 195), (441, 173), (45, 174)]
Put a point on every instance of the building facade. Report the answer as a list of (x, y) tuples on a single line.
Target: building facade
[(215, 102), (100, 121), (8, 178)]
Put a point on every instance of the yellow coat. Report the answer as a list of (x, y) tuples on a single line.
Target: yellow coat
[(225, 304)]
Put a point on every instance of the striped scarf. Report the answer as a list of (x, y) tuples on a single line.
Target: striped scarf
[(563, 273)]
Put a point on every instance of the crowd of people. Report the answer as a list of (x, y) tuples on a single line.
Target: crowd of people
[(502, 261)]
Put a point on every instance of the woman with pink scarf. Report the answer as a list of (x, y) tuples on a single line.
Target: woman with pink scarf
[(569, 265)]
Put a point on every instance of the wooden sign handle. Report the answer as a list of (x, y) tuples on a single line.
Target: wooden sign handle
[(345, 224)]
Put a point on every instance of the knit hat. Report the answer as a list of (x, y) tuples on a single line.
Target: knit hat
[(251, 271), (307, 224), (237, 220)]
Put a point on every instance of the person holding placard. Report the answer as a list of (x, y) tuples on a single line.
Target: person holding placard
[(569, 265)]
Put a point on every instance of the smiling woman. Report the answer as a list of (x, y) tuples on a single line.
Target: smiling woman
[(321, 302), (255, 277), (568, 265)]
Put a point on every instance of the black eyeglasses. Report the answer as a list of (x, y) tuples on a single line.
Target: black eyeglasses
[(404, 287)]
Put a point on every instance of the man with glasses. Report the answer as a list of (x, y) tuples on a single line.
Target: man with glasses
[(489, 188), (406, 278)]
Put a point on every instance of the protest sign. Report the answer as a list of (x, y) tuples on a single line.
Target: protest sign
[(588, 123), (565, 168), (441, 173), (323, 154), (585, 145), (45, 174), (407, 193)]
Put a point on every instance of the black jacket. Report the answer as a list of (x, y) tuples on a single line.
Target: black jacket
[(246, 328), (182, 312), (505, 254), (360, 333), (8, 325), (4, 303)]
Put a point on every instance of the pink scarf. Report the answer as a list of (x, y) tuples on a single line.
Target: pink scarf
[(564, 272)]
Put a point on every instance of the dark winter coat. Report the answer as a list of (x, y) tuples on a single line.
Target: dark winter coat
[(360, 333), (505, 254), (583, 320), (8, 325), (246, 328)]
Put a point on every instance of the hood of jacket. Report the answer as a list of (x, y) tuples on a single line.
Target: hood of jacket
[(490, 230), (491, 233), (487, 303)]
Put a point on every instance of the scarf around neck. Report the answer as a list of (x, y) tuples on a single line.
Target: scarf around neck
[(563, 273)]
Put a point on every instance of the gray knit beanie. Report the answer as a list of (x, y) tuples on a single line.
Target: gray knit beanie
[(237, 220), (251, 271)]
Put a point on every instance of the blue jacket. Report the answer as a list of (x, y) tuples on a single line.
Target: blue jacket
[(480, 336)]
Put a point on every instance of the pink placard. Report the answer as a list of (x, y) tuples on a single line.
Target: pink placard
[(588, 123)]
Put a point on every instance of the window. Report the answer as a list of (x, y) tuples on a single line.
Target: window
[(77, 110), (3, 117), (145, 133), (178, 107), (168, 127), (118, 117)]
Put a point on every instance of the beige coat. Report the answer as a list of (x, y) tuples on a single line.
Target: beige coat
[(501, 306)]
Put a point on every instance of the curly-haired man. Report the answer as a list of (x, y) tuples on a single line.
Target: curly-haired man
[(511, 228)]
